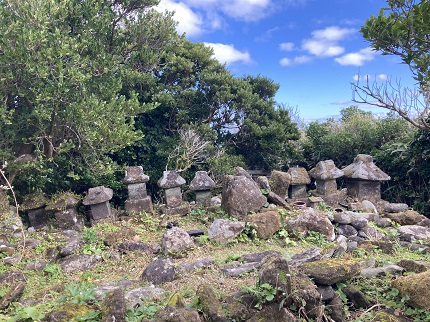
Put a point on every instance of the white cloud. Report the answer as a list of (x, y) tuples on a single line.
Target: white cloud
[(228, 54), (367, 77), (357, 58), (247, 10), (188, 21), (295, 61), (382, 77), (287, 46), (324, 42)]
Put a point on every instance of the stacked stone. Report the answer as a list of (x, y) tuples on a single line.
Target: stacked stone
[(299, 180), (172, 184), (202, 184), (34, 204), (138, 199), (98, 199), (65, 212)]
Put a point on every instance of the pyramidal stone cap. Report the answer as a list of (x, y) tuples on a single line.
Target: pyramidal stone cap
[(363, 168), (299, 176), (326, 170), (98, 195), (201, 182), (135, 175), (170, 179)]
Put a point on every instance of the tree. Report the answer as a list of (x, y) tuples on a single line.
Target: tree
[(238, 116), (355, 132), (402, 30), (67, 75)]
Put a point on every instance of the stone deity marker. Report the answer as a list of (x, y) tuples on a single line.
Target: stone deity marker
[(202, 184), (172, 184), (98, 199), (325, 173), (299, 180), (138, 199)]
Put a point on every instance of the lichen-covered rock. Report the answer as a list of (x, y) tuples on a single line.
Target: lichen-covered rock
[(34, 201), (68, 312), (241, 196), (414, 266), (325, 170), (276, 272), (405, 218), (395, 207), (311, 219), (363, 168), (62, 201), (306, 295), (411, 233), (357, 298), (159, 271), (113, 307), (266, 223), (272, 313), (223, 230), (176, 242), (279, 183), (176, 314), (210, 304), (416, 287), (330, 271), (75, 263), (12, 294)]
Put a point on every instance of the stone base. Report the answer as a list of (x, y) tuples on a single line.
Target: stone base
[(38, 218), (69, 219), (182, 210), (135, 206), (333, 199)]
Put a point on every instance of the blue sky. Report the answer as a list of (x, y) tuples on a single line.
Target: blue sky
[(312, 48)]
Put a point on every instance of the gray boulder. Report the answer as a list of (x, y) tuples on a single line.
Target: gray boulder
[(241, 196)]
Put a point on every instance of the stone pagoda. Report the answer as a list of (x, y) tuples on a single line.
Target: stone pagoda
[(138, 199), (363, 179), (202, 185), (299, 180), (325, 174), (171, 182)]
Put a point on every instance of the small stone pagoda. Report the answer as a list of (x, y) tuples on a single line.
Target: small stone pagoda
[(138, 199), (325, 174), (98, 199), (202, 185), (363, 179), (299, 180), (171, 182)]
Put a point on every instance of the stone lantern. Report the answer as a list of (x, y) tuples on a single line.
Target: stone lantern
[(34, 204), (171, 182), (202, 184), (363, 179), (299, 180), (98, 199), (65, 212), (138, 199), (325, 173)]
